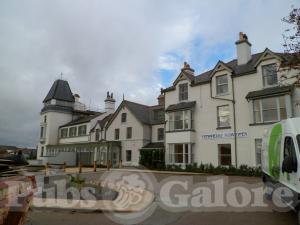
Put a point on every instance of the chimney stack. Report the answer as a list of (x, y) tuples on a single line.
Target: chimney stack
[(243, 49), (186, 68), (161, 98), (109, 103)]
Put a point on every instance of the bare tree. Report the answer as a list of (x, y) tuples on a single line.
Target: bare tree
[(291, 38)]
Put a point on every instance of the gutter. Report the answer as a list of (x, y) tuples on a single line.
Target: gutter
[(234, 115)]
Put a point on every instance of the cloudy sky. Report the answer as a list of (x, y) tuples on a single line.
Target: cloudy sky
[(133, 47)]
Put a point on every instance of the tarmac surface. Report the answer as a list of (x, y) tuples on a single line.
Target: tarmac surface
[(162, 216)]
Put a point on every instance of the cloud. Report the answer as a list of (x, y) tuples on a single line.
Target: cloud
[(120, 46)]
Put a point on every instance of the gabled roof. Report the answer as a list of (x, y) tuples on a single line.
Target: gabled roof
[(142, 113), (237, 70), (60, 90), (102, 122), (80, 120), (219, 65)]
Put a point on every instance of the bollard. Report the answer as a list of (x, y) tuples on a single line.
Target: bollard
[(95, 166), (46, 168), (64, 166), (80, 167), (120, 163)]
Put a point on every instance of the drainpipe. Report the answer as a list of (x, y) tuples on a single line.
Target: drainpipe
[(234, 115)]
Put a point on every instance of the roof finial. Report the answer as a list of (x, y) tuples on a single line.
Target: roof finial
[(123, 97), (61, 75)]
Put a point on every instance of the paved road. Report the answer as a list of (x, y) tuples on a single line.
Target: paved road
[(163, 217)]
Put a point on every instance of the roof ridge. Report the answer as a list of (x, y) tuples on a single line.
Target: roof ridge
[(136, 103)]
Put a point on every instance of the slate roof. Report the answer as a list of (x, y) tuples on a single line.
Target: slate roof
[(273, 91), (143, 113), (102, 122), (181, 106), (60, 90), (238, 70), (80, 120), (154, 145)]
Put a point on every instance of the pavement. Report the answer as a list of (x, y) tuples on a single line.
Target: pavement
[(160, 215)]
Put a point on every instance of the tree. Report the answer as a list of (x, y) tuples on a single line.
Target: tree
[(291, 38)]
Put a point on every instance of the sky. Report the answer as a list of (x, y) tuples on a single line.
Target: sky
[(130, 47)]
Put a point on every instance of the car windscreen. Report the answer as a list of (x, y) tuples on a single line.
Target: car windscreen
[(298, 140)]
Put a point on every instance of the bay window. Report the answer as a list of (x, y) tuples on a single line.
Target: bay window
[(180, 120), (180, 153), (269, 109)]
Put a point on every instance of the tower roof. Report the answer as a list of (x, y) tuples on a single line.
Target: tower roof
[(60, 90)]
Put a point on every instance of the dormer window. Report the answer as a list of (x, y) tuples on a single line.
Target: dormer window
[(222, 84), (183, 92), (269, 73)]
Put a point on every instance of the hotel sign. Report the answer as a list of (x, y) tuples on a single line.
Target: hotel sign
[(214, 136)]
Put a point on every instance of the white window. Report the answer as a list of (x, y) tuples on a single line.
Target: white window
[(269, 109), (223, 116), (180, 120), (224, 154), (258, 146), (64, 132), (180, 153), (82, 130), (42, 133), (222, 84), (72, 131), (183, 92), (160, 134), (97, 134), (128, 155), (269, 73)]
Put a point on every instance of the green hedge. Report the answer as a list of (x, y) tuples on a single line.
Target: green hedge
[(152, 158), (242, 170)]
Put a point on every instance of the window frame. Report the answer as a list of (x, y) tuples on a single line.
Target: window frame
[(126, 155), (124, 117), (261, 110), (97, 134), (186, 154), (218, 116), (183, 92), (266, 76), (62, 134), (82, 130), (222, 84), (70, 131), (186, 119), (160, 134), (258, 150), (117, 134), (224, 155), (129, 133)]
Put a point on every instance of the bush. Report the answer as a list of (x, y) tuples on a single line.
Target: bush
[(242, 170)]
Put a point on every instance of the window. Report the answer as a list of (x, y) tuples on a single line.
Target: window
[(97, 134), (128, 155), (72, 131), (64, 132), (289, 148), (183, 92), (117, 134), (129, 132), (159, 114), (124, 117), (45, 119), (82, 130), (42, 132), (222, 84), (224, 154), (258, 146), (223, 116), (180, 153), (269, 109), (180, 120), (160, 134), (42, 151), (269, 73)]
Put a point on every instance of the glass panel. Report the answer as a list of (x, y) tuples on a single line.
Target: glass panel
[(270, 115), (270, 74), (223, 116), (178, 120)]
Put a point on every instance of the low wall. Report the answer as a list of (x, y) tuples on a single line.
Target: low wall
[(60, 158)]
